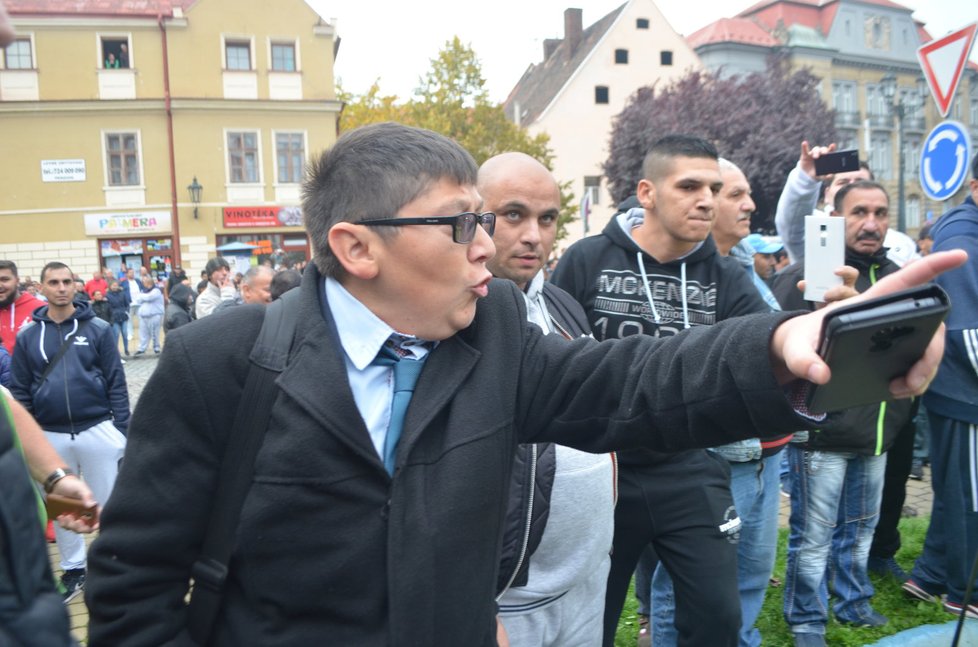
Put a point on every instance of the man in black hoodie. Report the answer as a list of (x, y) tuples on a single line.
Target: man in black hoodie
[(67, 373), (837, 476), (654, 270)]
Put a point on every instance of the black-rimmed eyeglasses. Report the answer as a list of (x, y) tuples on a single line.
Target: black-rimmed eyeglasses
[(463, 225)]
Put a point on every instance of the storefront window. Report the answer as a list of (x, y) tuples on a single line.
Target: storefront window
[(281, 250)]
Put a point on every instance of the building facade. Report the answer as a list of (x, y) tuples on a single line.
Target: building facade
[(852, 45), (117, 108), (584, 81)]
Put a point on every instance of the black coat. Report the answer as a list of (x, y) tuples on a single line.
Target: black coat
[(31, 610), (331, 549)]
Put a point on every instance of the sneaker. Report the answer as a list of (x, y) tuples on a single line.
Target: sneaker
[(73, 581), (871, 619), (917, 471), (644, 632), (886, 566), (809, 640), (140, 352), (955, 608), (913, 590), (123, 361)]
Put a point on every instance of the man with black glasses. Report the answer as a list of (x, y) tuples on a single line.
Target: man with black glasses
[(366, 525)]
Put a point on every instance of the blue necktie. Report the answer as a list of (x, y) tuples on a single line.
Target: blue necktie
[(406, 372)]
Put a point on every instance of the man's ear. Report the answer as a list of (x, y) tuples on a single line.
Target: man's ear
[(645, 192), (355, 247)]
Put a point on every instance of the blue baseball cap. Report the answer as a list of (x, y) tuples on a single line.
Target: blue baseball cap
[(764, 245)]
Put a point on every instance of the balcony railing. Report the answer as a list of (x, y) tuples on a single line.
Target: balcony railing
[(846, 119), (880, 122)]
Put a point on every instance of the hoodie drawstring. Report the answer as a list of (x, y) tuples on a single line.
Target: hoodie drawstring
[(648, 291)]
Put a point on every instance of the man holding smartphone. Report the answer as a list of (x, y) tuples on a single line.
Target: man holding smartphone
[(837, 475)]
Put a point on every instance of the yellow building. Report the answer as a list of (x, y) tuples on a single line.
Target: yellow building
[(853, 45), (116, 108)]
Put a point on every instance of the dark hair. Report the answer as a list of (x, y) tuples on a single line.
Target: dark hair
[(283, 282), (56, 265), (9, 265), (863, 165), (214, 265), (658, 160), (371, 172), (974, 167), (840, 196)]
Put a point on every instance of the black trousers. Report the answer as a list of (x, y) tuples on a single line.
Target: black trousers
[(678, 507), (886, 538)]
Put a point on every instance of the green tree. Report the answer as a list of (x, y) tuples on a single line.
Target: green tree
[(451, 99)]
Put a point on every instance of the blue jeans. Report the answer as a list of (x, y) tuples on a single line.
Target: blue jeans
[(835, 501), (121, 328), (952, 537), (754, 486)]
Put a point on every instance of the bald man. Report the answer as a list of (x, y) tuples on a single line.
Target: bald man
[(560, 516)]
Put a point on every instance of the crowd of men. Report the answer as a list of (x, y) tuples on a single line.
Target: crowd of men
[(456, 450)]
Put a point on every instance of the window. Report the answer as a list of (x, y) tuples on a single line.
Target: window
[(592, 186), (911, 155), (974, 105), (881, 156), (290, 155), (243, 157), (238, 54), (641, 23), (621, 56), (601, 94), (876, 104), (122, 156), (115, 53), (17, 55), (665, 57), (283, 57), (844, 96), (912, 216)]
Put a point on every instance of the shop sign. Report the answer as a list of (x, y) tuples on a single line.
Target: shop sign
[(62, 170), (127, 224), (262, 217)]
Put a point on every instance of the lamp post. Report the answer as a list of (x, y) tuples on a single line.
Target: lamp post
[(900, 110), (195, 188)]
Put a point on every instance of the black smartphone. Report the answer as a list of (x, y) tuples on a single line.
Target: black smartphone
[(868, 344), (837, 162)]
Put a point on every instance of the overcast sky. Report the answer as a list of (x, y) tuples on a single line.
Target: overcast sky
[(396, 40)]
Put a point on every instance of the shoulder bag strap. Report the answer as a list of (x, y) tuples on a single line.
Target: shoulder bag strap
[(61, 352), (268, 358)]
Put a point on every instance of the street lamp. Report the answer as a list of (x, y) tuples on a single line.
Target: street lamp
[(195, 188), (900, 110)]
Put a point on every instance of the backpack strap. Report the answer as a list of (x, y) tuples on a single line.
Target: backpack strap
[(268, 358)]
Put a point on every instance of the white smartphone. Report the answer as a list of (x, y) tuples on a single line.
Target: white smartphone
[(825, 252)]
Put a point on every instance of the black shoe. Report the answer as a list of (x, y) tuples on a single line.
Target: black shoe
[(917, 592), (872, 619), (886, 566), (74, 581), (917, 471), (140, 352)]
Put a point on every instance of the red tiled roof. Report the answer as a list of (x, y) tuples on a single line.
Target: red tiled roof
[(732, 30), (95, 7), (816, 14)]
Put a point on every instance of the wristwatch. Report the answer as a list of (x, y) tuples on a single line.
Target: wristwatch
[(56, 476)]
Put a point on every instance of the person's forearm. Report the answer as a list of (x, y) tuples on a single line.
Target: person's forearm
[(42, 459)]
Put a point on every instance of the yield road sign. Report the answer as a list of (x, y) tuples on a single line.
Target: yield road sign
[(943, 60), (944, 160)]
